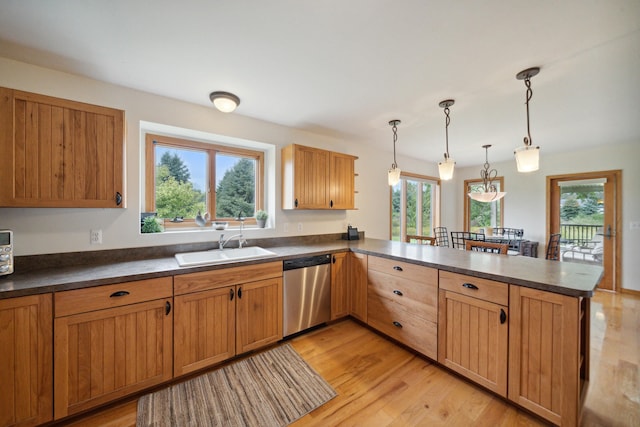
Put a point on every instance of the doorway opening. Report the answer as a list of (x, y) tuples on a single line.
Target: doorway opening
[(585, 208)]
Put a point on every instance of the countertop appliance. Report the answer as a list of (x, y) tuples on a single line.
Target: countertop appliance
[(306, 293), (6, 252)]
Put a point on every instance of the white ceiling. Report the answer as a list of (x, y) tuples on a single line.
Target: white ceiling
[(347, 67)]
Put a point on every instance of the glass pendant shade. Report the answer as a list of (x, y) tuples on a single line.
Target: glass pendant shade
[(393, 176), (445, 169), (487, 197), (527, 158)]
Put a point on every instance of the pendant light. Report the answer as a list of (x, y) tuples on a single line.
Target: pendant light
[(446, 167), (393, 176), (224, 101), (490, 192), (527, 156)]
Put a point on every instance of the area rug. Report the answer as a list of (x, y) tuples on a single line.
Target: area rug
[(273, 388)]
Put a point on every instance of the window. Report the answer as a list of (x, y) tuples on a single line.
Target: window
[(479, 215), (415, 206), (184, 177)]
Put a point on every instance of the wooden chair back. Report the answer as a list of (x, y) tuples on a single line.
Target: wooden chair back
[(423, 240), (553, 247), (490, 247)]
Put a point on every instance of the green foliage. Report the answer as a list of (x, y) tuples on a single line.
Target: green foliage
[(570, 209), (176, 167), (262, 215), (178, 199), (151, 225), (236, 191)]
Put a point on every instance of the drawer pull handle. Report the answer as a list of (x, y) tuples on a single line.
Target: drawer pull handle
[(239, 293), (397, 324), (119, 294), (167, 308), (397, 268), (470, 286), (397, 292), (503, 317)]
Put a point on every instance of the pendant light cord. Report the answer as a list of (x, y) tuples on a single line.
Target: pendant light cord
[(527, 82)]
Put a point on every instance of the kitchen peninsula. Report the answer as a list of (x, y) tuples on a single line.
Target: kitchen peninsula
[(543, 305)]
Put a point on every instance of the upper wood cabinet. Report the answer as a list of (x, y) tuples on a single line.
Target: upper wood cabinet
[(59, 153), (26, 363), (313, 178)]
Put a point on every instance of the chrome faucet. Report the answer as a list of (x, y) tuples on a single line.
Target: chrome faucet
[(241, 240)]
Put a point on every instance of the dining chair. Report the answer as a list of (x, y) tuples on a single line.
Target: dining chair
[(459, 237), (442, 236), (423, 240), (490, 247), (553, 247)]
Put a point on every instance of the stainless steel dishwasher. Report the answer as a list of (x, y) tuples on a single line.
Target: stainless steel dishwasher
[(306, 293)]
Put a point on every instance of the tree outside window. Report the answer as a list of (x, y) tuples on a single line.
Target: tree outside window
[(414, 202)]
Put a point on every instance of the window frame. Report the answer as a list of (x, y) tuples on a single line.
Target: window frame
[(467, 203), (212, 149), (435, 204)]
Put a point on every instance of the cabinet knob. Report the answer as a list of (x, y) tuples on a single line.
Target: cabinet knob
[(119, 294), (397, 292), (470, 286), (397, 268), (295, 203), (231, 294), (167, 308), (331, 203), (503, 316), (239, 292), (397, 324), (118, 198)]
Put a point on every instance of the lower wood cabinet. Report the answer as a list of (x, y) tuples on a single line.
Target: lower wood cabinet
[(224, 312), (473, 329), (104, 354), (26, 365), (358, 276), (549, 353), (340, 285), (402, 303)]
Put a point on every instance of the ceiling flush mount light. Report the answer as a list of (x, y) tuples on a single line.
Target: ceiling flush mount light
[(224, 101), (394, 173), (490, 191), (527, 156), (446, 167)]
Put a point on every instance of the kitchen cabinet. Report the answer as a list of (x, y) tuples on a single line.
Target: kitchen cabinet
[(224, 312), (26, 363), (548, 353), (358, 275), (473, 329), (111, 341), (340, 285), (313, 178), (402, 303), (60, 153)]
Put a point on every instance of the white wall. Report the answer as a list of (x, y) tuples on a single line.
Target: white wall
[(525, 203), (41, 231)]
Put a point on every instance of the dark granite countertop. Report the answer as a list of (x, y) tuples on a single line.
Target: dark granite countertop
[(559, 277)]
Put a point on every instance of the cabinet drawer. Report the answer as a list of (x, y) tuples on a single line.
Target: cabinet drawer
[(476, 287), (394, 320), (414, 272), (205, 280), (419, 298), (100, 297)]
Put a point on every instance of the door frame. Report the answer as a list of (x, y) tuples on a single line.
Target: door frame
[(553, 222)]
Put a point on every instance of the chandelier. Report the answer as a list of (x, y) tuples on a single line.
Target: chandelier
[(490, 191)]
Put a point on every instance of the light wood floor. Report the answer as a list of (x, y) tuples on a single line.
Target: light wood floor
[(381, 384)]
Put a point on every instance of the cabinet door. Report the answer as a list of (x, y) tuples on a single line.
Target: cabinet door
[(544, 359), (204, 329), (358, 264), (339, 285), (342, 175), (60, 153), (106, 354), (305, 178), (259, 314), (473, 339), (26, 364)]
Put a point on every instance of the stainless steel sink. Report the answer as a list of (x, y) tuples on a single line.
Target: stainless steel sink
[(218, 256)]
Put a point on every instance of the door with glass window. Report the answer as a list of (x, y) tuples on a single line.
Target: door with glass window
[(585, 210)]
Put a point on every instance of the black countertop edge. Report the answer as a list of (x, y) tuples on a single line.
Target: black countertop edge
[(81, 276)]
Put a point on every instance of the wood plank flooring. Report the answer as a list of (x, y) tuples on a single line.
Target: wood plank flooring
[(382, 384)]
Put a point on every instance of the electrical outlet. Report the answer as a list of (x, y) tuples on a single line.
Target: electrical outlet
[(95, 237), (299, 227)]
